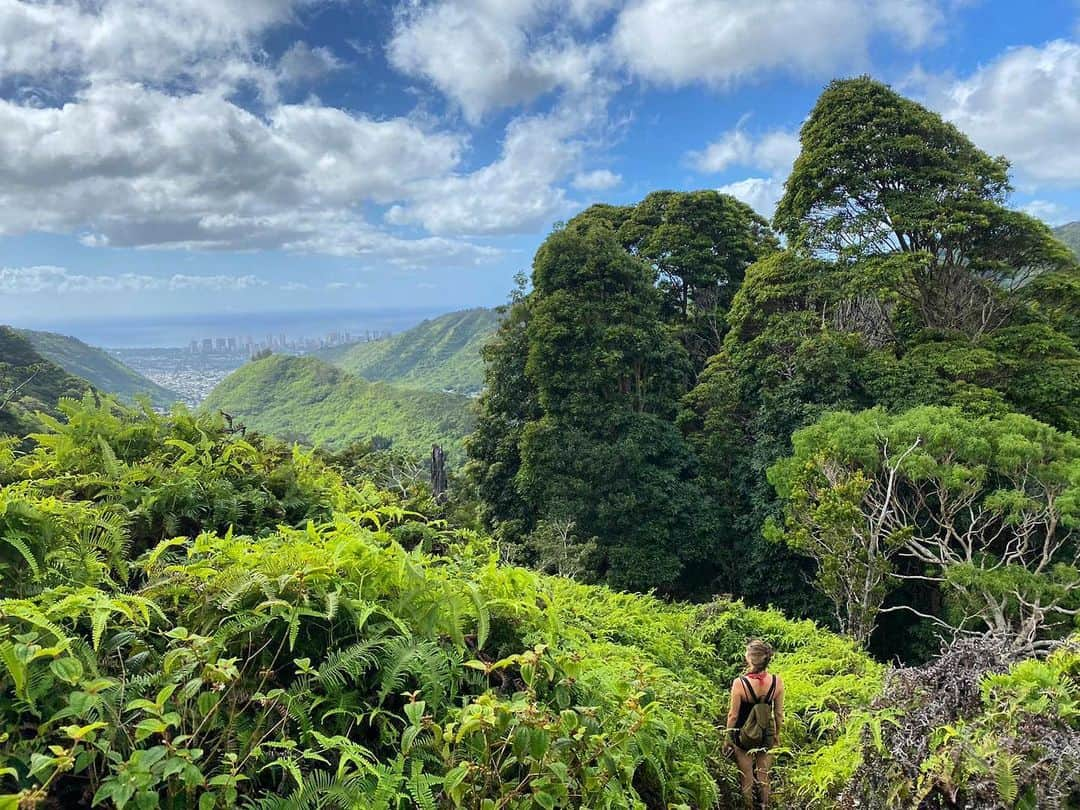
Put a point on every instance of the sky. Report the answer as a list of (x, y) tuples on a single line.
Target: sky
[(166, 158)]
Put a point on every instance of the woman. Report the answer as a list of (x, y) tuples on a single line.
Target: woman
[(757, 685)]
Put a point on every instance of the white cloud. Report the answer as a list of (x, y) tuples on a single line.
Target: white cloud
[(1025, 105), (59, 281), (596, 180), (774, 152), (721, 42), (771, 153), (760, 193), (133, 40), (518, 192), (486, 54), (125, 165), (1048, 211), (302, 63)]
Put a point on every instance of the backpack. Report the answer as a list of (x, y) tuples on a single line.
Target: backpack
[(757, 731)]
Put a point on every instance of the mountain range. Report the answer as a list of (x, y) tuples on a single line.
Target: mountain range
[(440, 354)]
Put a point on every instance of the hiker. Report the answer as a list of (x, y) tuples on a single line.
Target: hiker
[(754, 721)]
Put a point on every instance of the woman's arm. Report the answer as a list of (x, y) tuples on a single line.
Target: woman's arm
[(778, 710), (733, 712)]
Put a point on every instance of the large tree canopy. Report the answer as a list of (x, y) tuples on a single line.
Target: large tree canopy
[(698, 244), (903, 202), (986, 507), (578, 438)]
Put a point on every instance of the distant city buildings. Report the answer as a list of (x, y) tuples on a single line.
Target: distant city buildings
[(248, 346)]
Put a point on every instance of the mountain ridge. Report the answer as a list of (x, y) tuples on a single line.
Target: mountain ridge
[(103, 371), (439, 354), (308, 400), (30, 382)]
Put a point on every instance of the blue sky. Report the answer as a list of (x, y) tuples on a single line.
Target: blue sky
[(163, 157)]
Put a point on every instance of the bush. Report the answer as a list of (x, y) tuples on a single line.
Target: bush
[(194, 620)]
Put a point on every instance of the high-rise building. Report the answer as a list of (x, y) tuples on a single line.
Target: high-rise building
[(207, 344)]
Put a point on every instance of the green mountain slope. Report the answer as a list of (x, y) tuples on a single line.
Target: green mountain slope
[(306, 399), (30, 383), (1070, 235), (101, 369), (441, 354)]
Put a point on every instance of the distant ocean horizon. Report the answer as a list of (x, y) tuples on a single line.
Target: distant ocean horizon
[(179, 330)]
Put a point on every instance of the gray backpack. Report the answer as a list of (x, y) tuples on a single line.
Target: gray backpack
[(758, 730)]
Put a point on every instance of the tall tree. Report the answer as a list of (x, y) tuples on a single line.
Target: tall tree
[(905, 205), (605, 452), (698, 244)]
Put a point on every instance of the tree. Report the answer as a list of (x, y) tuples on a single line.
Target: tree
[(698, 244), (782, 366), (507, 404), (984, 507), (911, 213), (605, 452)]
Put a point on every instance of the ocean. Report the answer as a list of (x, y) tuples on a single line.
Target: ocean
[(180, 330)]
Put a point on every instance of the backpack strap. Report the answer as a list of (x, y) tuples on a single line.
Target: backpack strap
[(749, 689), (769, 695)]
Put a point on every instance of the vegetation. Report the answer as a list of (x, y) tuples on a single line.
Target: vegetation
[(958, 302), (871, 422), (99, 368), (441, 354), (1069, 234), (29, 383), (577, 424), (982, 509), (192, 619), (307, 400)]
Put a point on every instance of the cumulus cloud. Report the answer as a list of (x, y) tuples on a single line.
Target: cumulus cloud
[(774, 151), (770, 155), (721, 42), (303, 63), (127, 165), (1024, 105), (1048, 211), (520, 191), (485, 54), (760, 193), (59, 281), (596, 180), (133, 40)]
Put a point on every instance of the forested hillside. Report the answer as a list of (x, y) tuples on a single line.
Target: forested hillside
[(103, 371), (1070, 235), (305, 399), (29, 383), (441, 354)]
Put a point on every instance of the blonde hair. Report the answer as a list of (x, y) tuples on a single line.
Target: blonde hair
[(759, 654)]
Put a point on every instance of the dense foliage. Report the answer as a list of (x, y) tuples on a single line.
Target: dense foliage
[(191, 619), (29, 383), (99, 368), (982, 510), (577, 448), (441, 354), (307, 400), (872, 424), (906, 282)]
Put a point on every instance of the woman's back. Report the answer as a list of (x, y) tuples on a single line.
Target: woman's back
[(764, 686)]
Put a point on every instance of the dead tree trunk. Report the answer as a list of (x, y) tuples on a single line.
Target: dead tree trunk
[(438, 474)]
